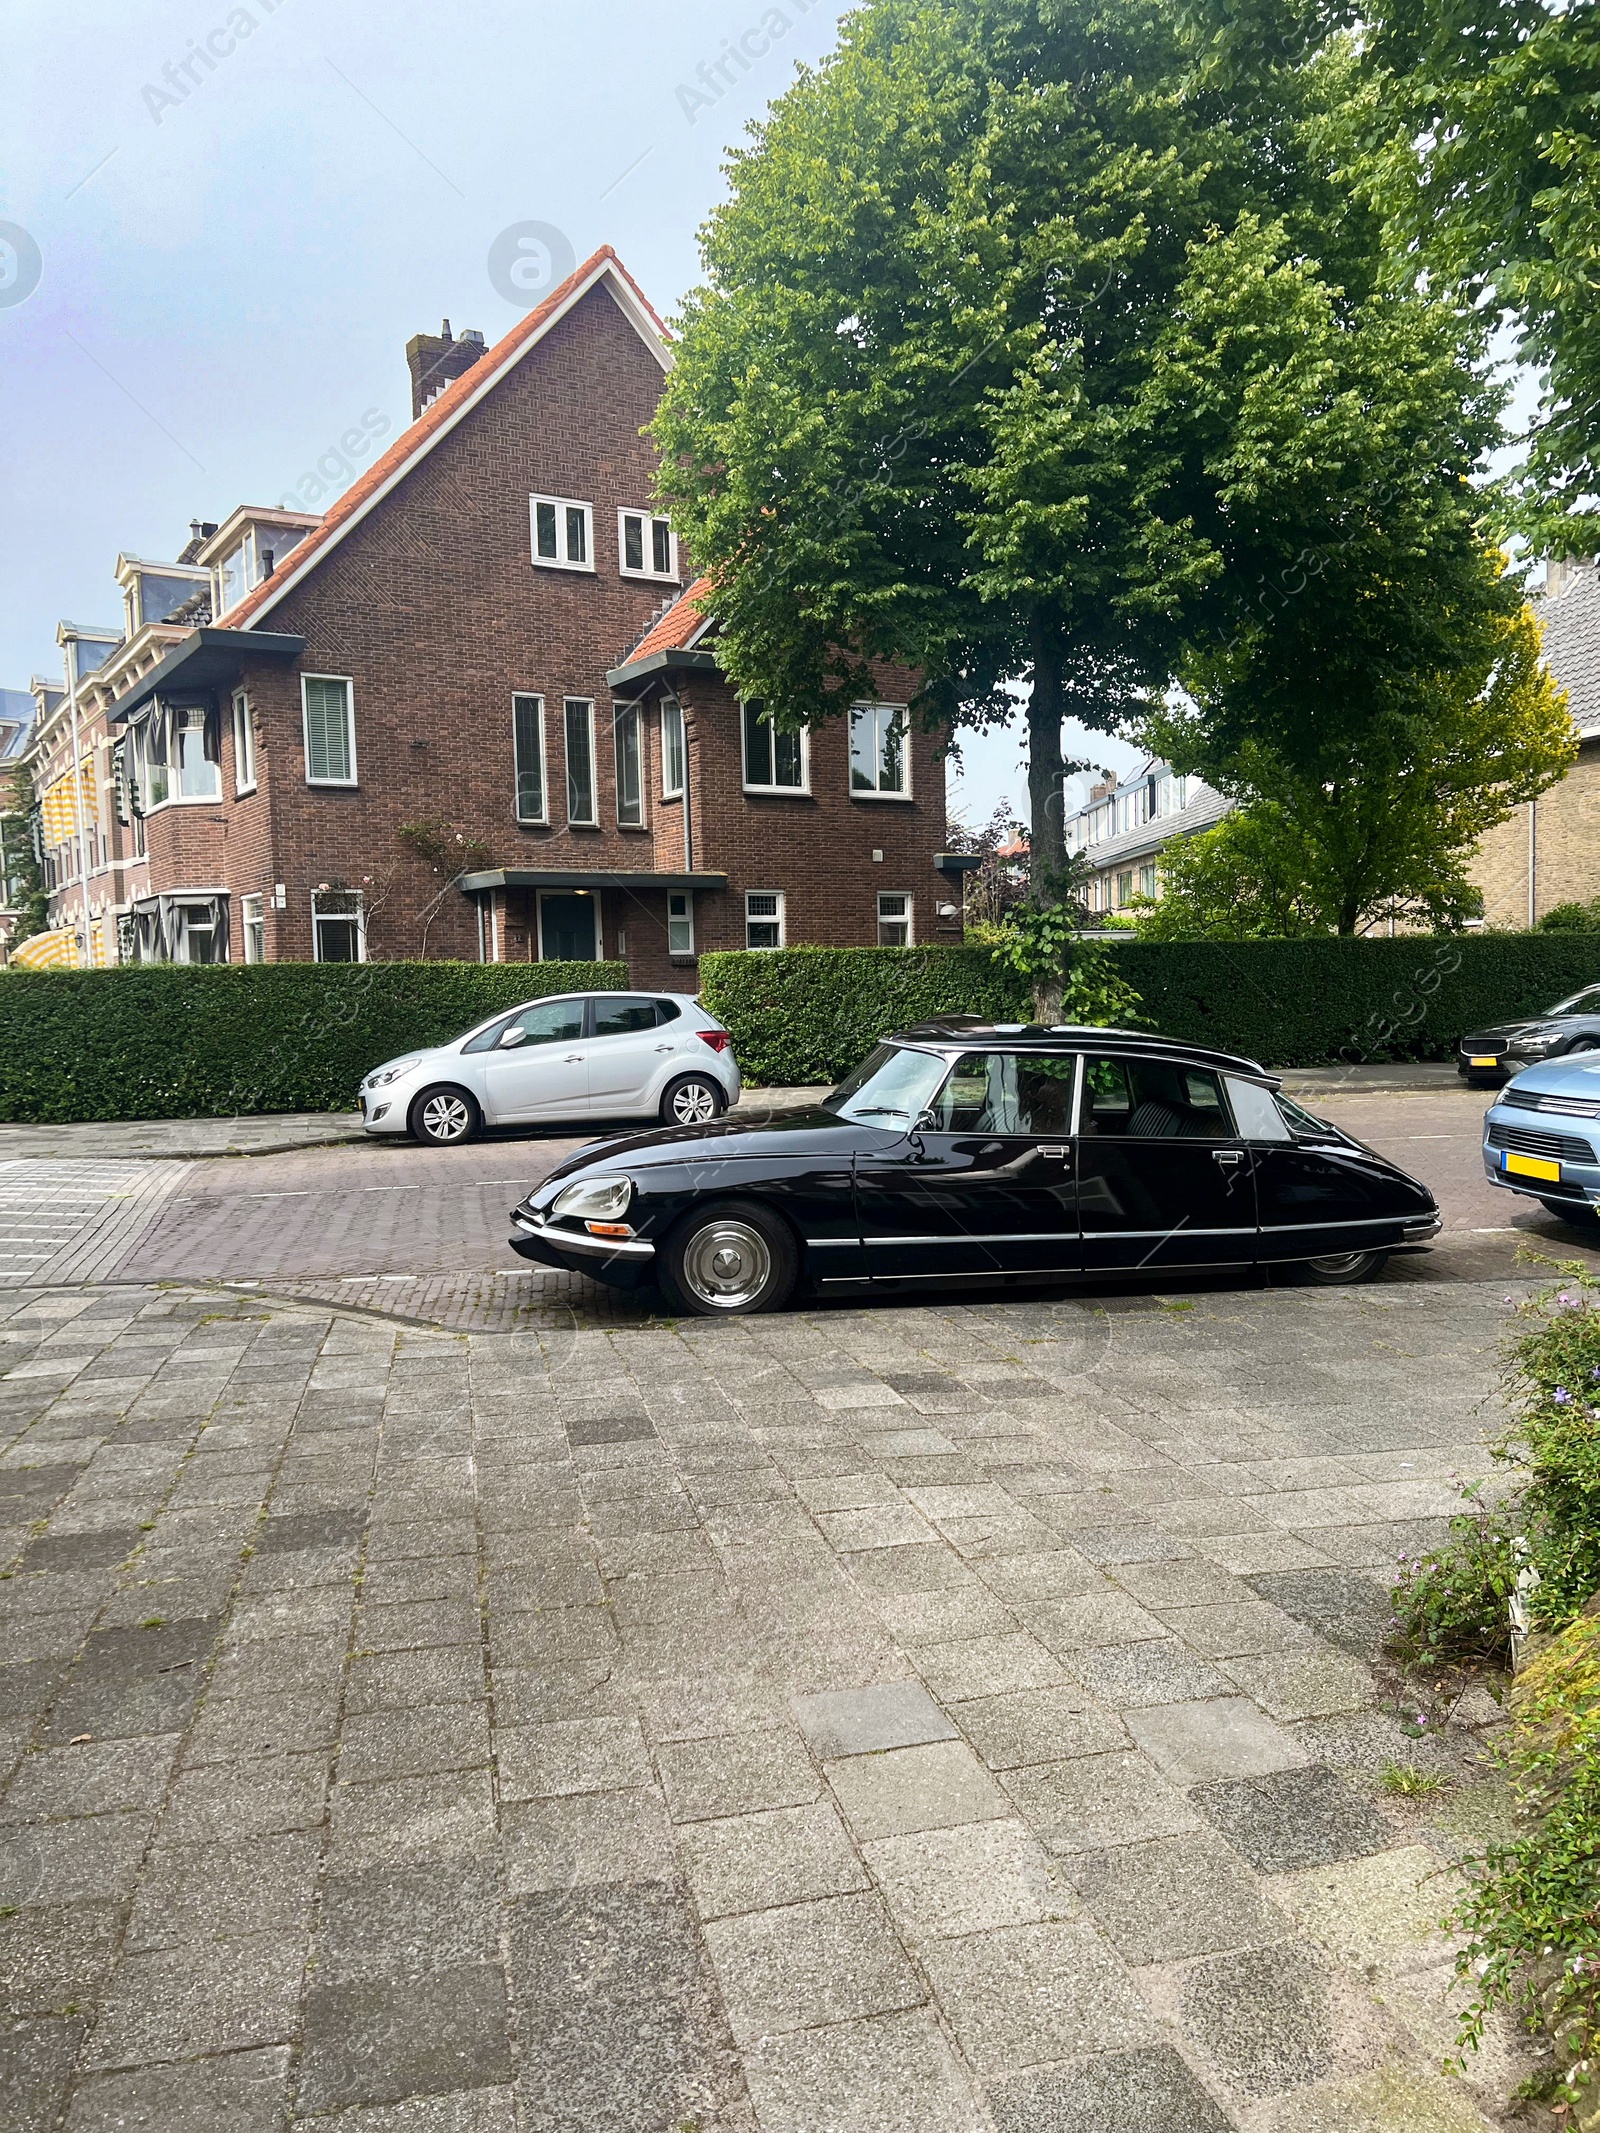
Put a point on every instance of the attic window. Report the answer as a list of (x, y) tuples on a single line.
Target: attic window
[(647, 547), (563, 532)]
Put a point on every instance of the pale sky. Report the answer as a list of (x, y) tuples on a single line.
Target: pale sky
[(221, 220)]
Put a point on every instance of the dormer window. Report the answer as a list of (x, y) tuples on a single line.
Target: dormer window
[(251, 554)]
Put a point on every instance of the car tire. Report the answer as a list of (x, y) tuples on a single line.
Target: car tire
[(728, 1260), (692, 1100), (1577, 1211), (445, 1117), (1341, 1269)]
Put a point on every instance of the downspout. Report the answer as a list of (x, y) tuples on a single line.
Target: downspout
[(77, 802), (1533, 861)]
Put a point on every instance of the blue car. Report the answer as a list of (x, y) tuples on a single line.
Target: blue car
[(1541, 1136)]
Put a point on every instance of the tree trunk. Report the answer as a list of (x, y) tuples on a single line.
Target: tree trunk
[(1047, 851)]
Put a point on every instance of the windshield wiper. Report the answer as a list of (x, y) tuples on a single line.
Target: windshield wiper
[(880, 1111)]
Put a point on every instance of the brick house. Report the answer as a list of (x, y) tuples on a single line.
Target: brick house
[(487, 650), (1548, 852)]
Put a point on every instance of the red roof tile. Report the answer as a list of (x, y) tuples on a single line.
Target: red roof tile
[(434, 416), (683, 618)]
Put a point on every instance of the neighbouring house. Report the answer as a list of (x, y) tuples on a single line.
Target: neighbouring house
[(1126, 824), (1548, 852), (16, 831), (475, 709)]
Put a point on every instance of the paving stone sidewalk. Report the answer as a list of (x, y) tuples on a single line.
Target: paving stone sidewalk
[(922, 1720)]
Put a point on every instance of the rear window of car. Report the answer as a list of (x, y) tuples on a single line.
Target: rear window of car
[(667, 1010)]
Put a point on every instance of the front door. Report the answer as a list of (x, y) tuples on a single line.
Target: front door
[(984, 1185), (1164, 1179), (567, 928), (538, 1064)]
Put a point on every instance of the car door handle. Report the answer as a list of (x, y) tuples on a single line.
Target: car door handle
[(573, 1059), (1227, 1155), (666, 1047), (1056, 1154)]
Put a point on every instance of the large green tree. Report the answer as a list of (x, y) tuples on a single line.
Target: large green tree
[(1489, 134), (906, 419), (1378, 824), (933, 403)]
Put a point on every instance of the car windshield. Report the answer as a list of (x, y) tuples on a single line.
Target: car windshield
[(1586, 1002), (890, 1088)]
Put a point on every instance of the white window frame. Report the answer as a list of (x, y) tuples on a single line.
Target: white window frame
[(589, 821), (648, 520), (253, 925), (348, 682), (766, 918), (895, 918), (860, 792), (621, 713), (802, 791), (685, 919), (562, 505), (672, 715), (244, 746), (359, 915), (540, 820)]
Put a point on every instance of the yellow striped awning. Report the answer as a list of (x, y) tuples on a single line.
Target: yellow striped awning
[(55, 804), (57, 950)]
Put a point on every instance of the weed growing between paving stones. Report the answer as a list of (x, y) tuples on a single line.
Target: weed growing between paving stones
[(1407, 1782)]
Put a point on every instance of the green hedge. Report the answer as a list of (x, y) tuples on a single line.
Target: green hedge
[(803, 1015), (809, 1014), (165, 1042)]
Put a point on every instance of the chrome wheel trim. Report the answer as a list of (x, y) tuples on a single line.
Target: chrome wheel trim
[(445, 1118), (727, 1264), (694, 1104), (1340, 1262)]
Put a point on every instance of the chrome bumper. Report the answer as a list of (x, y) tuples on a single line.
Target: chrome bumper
[(572, 1240), (1419, 1230)]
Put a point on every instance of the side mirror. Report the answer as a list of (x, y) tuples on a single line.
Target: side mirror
[(925, 1122), (511, 1038)]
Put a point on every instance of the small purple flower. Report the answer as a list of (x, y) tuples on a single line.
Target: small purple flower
[(1561, 1396)]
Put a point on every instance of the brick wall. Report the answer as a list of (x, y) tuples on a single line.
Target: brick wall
[(1566, 849)]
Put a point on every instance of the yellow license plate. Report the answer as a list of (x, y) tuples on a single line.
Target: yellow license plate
[(1532, 1166), (1491, 1061)]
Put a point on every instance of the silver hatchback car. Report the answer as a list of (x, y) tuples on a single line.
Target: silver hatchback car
[(577, 1055)]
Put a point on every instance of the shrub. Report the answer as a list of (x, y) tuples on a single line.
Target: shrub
[(160, 1041), (1453, 1603), (1532, 1916)]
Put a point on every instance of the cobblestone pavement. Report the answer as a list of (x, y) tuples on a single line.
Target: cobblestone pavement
[(922, 1720)]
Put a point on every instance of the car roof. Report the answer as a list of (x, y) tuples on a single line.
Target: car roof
[(961, 1032)]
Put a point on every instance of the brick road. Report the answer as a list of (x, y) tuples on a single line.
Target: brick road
[(923, 1720)]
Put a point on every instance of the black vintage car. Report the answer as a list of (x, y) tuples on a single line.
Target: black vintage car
[(962, 1152), (1489, 1056)]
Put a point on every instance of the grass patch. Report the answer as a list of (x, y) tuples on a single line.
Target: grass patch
[(1407, 1782)]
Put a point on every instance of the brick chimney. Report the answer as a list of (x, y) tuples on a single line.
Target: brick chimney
[(435, 360)]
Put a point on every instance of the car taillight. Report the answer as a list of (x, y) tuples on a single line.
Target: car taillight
[(718, 1039)]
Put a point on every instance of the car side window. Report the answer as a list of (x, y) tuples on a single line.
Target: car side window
[(615, 1015), (1257, 1112), (545, 1022), (667, 1011), (1007, 1092), (1152, 1099)]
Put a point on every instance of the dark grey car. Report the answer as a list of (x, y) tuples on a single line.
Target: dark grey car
[(1488, 1057)]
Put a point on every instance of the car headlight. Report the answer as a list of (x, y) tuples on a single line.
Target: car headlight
[(385, 1075), (595, 1199)]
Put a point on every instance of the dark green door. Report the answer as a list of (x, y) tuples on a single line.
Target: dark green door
[(566, 928)]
